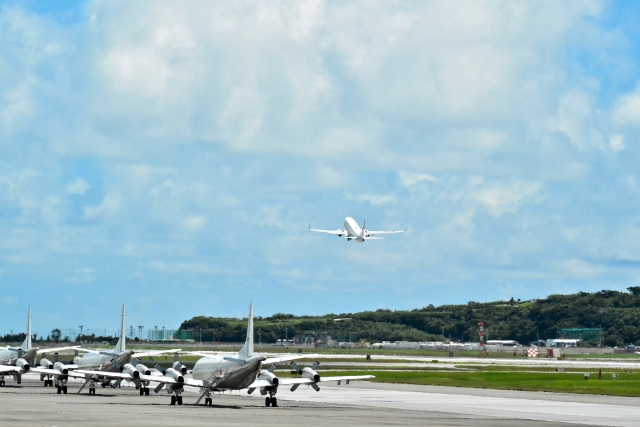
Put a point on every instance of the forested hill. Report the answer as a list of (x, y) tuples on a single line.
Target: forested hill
[(618, 313)]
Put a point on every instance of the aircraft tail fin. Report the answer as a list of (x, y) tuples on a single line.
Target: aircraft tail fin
[(247, 348), (26, 345), (364, 224), (121, 346)]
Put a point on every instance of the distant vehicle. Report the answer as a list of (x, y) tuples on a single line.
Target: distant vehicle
[(354, 232)]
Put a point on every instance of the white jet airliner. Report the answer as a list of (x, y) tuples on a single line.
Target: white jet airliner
[(354, 232)]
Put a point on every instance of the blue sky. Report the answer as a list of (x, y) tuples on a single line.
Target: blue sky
[(171, 156)]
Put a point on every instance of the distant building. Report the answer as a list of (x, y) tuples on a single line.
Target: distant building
[(504, 343)]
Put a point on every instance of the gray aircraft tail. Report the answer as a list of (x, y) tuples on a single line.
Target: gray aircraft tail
[(30, 356), (121, 346), (247, 348), (26, 345)]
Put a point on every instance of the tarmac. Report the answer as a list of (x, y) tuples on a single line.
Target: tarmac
[(357, 404)]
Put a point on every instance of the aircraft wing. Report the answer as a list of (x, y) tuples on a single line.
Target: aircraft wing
[(4, 369), (50, 350), (259, 384), (46, 371), (202, 354), (86, 350), (372, 233), (156, 352), (291, 381), (83, 374), (335, 232), (272, 360)]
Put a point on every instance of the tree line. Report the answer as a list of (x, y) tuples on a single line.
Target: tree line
[(617, 313)]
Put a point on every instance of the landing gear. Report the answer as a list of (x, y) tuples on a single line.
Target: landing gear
[(176, 398), (50, 383), (64, 389), (60, 390), (2, 383), (208, 401), (271, 399), (141, 391)]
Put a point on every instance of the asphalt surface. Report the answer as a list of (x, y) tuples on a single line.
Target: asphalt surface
[(361, 404)]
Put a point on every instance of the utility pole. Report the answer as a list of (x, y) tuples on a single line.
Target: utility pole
[(140, 328), (81, 327)]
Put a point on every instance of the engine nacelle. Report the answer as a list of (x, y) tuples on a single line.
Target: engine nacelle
[(268, 376), (60, 367), (180, 367), (310, 373), (172, 373), (76, 360), (23, 364), (128, 368), (143, 369), (45, 363)]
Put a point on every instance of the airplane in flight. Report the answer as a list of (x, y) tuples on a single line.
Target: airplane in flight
[(354, 232)]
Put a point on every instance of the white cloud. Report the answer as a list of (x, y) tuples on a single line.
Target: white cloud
[(627, 109), (616, 142), (79, 186), (109, 206), (502, 198), (408, 179), (373, 199), (195, 223)]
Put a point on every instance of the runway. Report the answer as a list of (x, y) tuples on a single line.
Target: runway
[(362, 404)]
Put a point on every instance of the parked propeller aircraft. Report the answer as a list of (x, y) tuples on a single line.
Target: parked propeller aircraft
[(104, 366), (20, 360), (354, 232)]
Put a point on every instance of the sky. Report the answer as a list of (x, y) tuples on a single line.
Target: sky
[(171, 156)]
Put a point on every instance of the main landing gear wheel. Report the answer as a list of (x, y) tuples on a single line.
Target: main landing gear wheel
[(92, 391), (46, 383), (64, 389), (267, 401), (208, 401), (141, 391), (60, 390), (50, 383), (179, 399), (146, 391), (173, 400), (1, 383)]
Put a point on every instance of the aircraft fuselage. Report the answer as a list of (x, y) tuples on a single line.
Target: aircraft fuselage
[(227, 375)]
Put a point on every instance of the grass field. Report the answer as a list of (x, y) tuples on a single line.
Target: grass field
[(525, 381)]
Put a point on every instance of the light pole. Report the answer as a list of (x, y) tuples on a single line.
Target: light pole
[(81, 327), (140, 332)]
